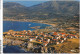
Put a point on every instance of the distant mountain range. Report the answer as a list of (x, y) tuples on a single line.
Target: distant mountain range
[(46, 10)]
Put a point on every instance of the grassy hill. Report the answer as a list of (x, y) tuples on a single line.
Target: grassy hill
[(71, 46)]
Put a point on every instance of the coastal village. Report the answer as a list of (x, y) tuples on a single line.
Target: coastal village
[(62, 36), (36, 42)]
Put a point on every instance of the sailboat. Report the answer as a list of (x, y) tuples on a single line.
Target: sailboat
[(29, 24)]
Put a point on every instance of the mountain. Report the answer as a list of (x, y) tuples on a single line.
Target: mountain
[(46, 10), (13, 9), (71, 7)]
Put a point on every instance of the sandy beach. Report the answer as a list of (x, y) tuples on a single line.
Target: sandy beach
[(28, 20)]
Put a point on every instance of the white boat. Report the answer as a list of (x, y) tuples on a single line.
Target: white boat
[(29, 24)]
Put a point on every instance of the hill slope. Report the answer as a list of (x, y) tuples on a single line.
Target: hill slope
[(46, 10)]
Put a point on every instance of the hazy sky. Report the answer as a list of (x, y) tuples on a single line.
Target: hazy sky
[(28, 2)]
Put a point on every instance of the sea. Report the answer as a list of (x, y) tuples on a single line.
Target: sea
[(14, 49), (20, 26)]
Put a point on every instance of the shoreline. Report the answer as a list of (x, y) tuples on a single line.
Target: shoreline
[(26, 21), (31, 21)]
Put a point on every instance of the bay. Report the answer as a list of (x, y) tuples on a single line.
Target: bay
[(20, 26), (14, 49)]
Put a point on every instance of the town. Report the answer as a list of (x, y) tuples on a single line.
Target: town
[(37, 42)]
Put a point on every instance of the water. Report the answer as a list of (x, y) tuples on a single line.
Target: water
[(20, 26), (14, 49)]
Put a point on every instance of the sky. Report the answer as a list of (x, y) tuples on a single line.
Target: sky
[(29, 3)]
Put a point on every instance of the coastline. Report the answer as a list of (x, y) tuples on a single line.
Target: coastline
[(28, 20), (61, 44), (34, 27)]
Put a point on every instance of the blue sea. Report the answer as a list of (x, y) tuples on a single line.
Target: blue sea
[(20, 26), (14, 49)]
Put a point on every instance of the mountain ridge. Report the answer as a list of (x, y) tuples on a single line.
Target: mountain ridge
[(44, 10)]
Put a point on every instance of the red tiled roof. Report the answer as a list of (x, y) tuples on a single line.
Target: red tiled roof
[(62, 33), (54, 39), (73, 35)]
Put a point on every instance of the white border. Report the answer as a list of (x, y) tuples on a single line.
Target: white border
[(1, 25)]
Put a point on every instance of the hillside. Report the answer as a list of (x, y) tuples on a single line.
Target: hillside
[(67, 7), (70, 46), (46, 10), (14, 10)]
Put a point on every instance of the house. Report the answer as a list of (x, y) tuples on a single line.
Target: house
[(19, 36), (62, 41), (55, 33), (63, 34), (71, 37), (41, 33), (54, 40), (45, 35), (40, 40), (65, 38), (76, 36), (45, 44), (8, 33), (57, 42), (57, 37), (31, 39), (36, 36), (48, 40)]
